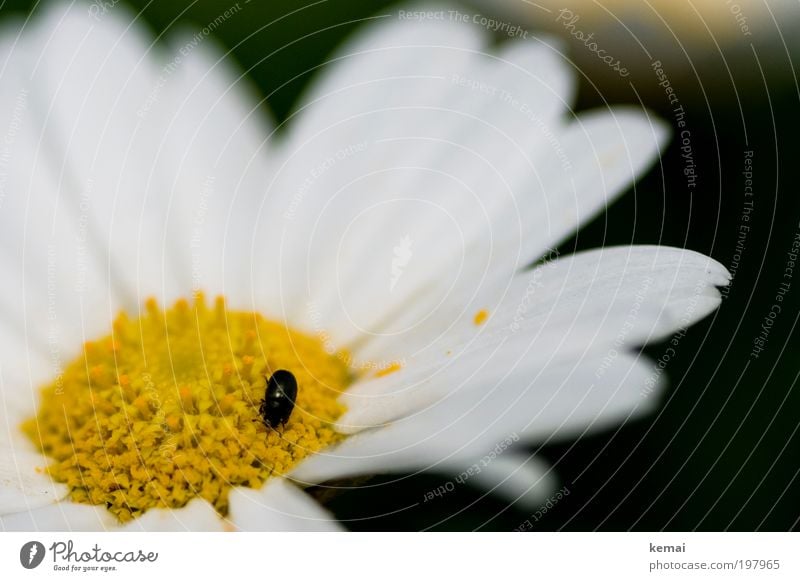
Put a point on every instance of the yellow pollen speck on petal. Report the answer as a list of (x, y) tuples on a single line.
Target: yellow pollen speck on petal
[(481, 317), (168, 409), (394, 366)]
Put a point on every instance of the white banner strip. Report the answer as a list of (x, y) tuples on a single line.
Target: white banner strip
[(407, 556)]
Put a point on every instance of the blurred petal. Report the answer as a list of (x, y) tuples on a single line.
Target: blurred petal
[(519, 479), (61, 517), (563, 400), (279, 506), (23, 482), (597, 158), (198, 515)]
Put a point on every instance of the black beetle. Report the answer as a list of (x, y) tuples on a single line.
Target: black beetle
[(279, 398)]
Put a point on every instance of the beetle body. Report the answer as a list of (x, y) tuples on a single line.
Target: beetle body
[(279, 398)]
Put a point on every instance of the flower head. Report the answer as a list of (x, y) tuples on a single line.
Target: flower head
[(379, 251)]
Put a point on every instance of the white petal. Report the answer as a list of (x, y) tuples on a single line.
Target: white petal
[(278, 506), (161, 144), (217, 138), (23, 483), (523, 480), (461, 204), (429, 165), (90, 80), (54, 290), (23, 367), (61, 517), (497, 355), (600, 302), (566, 399), (335, 139), (585, 168), (597, 158), (17, 403), (197, 515), (354, 79), (678, 282), (450, 231)]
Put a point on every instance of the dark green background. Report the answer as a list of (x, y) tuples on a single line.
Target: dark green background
[(723, 452)]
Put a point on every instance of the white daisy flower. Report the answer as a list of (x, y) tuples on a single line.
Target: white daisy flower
[(377, 248)]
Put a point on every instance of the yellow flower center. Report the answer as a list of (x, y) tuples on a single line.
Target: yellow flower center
[(166, 408)]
